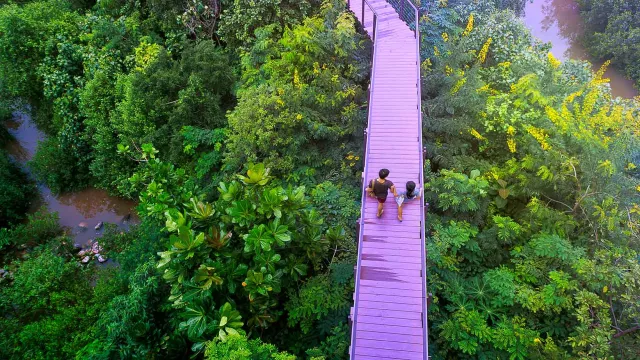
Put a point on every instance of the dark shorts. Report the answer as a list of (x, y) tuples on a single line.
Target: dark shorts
[(381, 201)]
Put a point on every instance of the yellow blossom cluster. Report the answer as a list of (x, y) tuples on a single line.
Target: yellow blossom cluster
[(555, 63), (458, 85), (600, 81), (482, 56), (469, 27), (436, 52), (511, 141), (589, 102), (540, 136), (602, 70), (426, 65), (352, 159), (476, 134), (556, 118), (448, 70), (485, 88), (296, 78), (445, 37), (569, 99)]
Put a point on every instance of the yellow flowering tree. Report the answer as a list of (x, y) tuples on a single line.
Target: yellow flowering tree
[(535, 195)]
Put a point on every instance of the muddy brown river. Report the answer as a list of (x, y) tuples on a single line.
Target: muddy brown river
[(559, 22), (89, 206)]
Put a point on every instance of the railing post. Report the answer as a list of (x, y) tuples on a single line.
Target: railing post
[(415, 31), (375, 21), (401, 8), (363, 14)]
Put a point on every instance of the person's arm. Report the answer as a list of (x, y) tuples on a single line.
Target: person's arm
[(393, 190)]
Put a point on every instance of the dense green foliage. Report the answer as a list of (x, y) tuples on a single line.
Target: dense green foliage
[(238, 126), (613, 32), (16, 189), (298, 105), (533, 247), (222, 265)]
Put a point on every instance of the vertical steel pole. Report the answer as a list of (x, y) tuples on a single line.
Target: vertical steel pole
[(363, 15), (415, 31), (375, 21)]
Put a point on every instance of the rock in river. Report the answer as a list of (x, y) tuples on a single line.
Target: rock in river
[(85, 260), (96, 248), (101, 258), (126, 218), (99, 225), (82, 224)]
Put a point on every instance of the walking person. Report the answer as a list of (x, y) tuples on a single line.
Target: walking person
[(379, 188), (410, 194)]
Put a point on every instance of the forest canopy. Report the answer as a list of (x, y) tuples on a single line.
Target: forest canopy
[(238, 128)]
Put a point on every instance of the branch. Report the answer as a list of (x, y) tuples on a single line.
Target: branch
[(559, 202), (613, 314), (625, 332)]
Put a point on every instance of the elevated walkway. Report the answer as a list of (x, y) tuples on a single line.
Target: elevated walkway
[(389, 315)]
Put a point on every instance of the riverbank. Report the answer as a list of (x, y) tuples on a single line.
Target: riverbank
[(559, 22), (87, 207)]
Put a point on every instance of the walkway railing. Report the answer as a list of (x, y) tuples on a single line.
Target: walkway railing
[(408, 13), (363, 195), (367, 5)]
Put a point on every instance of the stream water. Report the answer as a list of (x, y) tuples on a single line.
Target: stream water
[(559, 22), (86, 207)]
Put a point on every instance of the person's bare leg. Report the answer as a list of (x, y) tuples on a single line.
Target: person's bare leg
[(400, 212), (379, 209)]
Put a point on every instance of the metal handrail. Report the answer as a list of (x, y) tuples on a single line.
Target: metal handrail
[(365, 171), (416, 32)]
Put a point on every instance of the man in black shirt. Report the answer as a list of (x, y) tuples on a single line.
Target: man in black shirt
[(379, 188)]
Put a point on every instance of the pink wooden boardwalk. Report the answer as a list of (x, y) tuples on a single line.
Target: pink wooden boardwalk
[(389, 315)]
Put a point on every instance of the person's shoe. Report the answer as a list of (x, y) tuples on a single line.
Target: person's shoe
[(379, 214), (399, 218)]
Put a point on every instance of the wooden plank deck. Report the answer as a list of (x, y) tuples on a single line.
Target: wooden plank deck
[(389, 319)]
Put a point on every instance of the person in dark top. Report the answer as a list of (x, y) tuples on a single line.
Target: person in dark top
[(410, 194), (379, 188)]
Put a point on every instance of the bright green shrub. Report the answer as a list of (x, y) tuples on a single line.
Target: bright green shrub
[(299, 103)]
